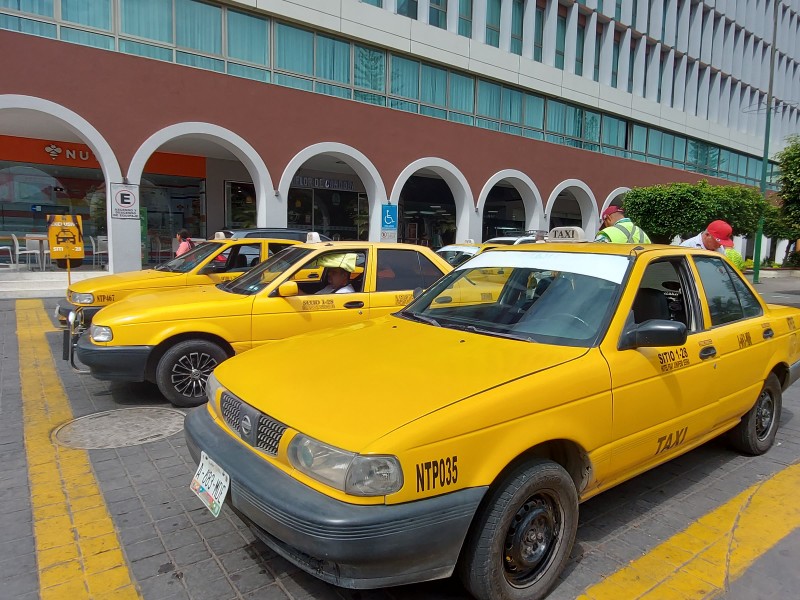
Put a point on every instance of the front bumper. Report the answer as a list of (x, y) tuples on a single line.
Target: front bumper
[(113, 363), (86, 313), (349, 545)]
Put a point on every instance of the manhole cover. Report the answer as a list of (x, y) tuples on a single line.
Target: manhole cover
[(120, 428)]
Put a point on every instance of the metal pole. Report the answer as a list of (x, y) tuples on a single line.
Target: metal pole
[(765, 158)]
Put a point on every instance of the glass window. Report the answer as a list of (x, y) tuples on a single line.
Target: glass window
[(437, 15), (198, 26), (433, 86), (654, 143), (639, 142), (404, 270), (493, 23), (405, 77), (561, 36), (465, 18), (378, 3), (370, 68), (294, 49), (459, 118), (591, 126), (369, 98), (462, 93), (294, 82), (723, 301), (403, 105), (202, 62), (750, 304), (150, 19), (679, 149), (333, 59), (580, 42), (615, 63), (36, 7), (333, 90), (517, 10), (512, 105), (614, 131), (407, 8), (248, 72), (92, 13), (439, 113), (27, 26), (248, 38), (146, 50), (488, 99), (538, 34), (534, 111), (86, 38)]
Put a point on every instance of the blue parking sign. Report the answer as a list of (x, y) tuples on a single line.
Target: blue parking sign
[(389, 218)]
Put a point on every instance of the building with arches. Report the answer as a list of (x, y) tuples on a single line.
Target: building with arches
[(474, 117)]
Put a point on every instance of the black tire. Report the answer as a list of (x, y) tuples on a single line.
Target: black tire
[(756, 432), (182, 372), (522, 535)]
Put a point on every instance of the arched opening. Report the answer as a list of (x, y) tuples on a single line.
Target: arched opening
[(435, 205), (510, 204), (615, 198), (200, 178), (332, 189), (572, 203), (54, 162)]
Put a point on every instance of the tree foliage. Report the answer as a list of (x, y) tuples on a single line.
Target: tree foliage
[(789, 178), (684, 209)]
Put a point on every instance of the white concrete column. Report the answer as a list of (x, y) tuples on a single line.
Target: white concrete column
[(390, 5), (727, 48), (692, 78), (423, 11), (529, 28), (703, 91), (679, 90), (695, 30), (627, 12), (571, 38), (668, 78), (656, 17), (549, 33), (642, 7), (624, 64), (505, 25), (718, 42), (713, 97), (479, 21), (725, 101), (707, 36), (671, 26), (736, 105), (684, 14), (452, 16), (653, 72), (639, 67), (589, 41)]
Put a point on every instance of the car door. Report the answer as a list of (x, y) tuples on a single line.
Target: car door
[(276, 317), (740, 335), (397, 274), (661, 396), (228, 264)]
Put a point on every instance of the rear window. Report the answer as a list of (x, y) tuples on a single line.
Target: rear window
[(404, 270)]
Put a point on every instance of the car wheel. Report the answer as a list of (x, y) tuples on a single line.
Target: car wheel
[(756, 432), (523, 534), (182, 372)]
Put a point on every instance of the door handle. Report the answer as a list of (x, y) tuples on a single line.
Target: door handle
[(354, 304), (708, 352), (313, 275), (768, 333)]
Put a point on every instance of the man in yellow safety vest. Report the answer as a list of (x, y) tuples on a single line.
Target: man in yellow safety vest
[(617, 229)]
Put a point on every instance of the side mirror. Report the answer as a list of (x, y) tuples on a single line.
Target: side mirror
[(288, 289), (212, 268), (416, 293), (652, 334)]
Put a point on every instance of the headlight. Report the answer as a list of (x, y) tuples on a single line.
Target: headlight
[(352, 473), (77, 298), (212, 387), (99, 333)]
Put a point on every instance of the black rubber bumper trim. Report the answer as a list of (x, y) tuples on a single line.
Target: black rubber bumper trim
[(345, 544), (113, 363)]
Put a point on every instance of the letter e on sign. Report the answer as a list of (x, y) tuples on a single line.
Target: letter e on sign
[(126, 201)]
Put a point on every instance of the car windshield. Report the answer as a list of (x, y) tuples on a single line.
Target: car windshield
[(193, 258), (260, 276), (549, 297), (456, 255)]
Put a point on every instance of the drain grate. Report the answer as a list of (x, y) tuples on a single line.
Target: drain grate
[(120, 428)]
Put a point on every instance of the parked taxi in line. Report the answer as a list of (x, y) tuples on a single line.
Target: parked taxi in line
[(474, 430), (211, 262), (176, 338), (455, 254)]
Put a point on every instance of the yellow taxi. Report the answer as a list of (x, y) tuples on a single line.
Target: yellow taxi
[(455, 254), (176, 338), (461, 437), (211, 262)]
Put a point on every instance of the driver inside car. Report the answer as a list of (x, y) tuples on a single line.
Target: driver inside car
[(338, 268)]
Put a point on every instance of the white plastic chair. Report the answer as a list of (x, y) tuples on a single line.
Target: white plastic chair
[(41, 250), (25, 251), (99, 248), (10, 253)]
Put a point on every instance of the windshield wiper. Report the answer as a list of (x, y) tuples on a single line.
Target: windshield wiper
[(420, 318), (163, 268), (490, 332)]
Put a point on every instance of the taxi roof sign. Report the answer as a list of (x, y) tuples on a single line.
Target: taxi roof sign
[(571, 233)]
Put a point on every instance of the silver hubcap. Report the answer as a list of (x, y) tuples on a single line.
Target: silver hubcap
[(190, 372)]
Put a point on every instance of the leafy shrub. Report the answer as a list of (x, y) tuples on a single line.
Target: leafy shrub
[(793, 260)]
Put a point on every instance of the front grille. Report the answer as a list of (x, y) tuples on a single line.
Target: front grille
[(268, 432)]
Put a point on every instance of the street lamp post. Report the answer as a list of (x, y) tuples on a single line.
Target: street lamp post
[(765, 158)]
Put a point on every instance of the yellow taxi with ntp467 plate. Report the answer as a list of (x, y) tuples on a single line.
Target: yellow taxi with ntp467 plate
[(462, 436), (211, 262), (176, 338)]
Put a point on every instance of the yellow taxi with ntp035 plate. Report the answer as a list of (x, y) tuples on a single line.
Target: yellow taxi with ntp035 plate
[(208, 263), (461, 436), (176, 338)]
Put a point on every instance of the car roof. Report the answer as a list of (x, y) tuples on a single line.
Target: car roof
[(590, 247), (272, 232)]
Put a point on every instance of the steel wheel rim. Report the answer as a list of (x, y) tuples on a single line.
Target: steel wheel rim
[(531, 540), (765, 414), (190, 373)]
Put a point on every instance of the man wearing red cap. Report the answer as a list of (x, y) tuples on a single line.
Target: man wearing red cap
[(716, 238), (618, 229)]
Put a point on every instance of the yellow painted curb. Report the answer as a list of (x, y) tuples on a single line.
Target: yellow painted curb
[(702, 560), (69, 512)]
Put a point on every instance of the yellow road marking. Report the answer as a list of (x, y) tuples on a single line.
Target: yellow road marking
[(77, 548), (702, 560)]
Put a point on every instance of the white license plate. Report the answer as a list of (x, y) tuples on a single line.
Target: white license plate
[(210, 483)]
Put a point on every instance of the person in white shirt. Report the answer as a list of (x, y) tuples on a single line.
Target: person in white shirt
[(716, 238), (339, 267)]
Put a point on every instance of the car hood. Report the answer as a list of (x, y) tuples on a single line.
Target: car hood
[(351, 386), (205, 302), (131, 280)]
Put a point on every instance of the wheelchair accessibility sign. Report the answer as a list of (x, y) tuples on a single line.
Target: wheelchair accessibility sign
[(389, 223)]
